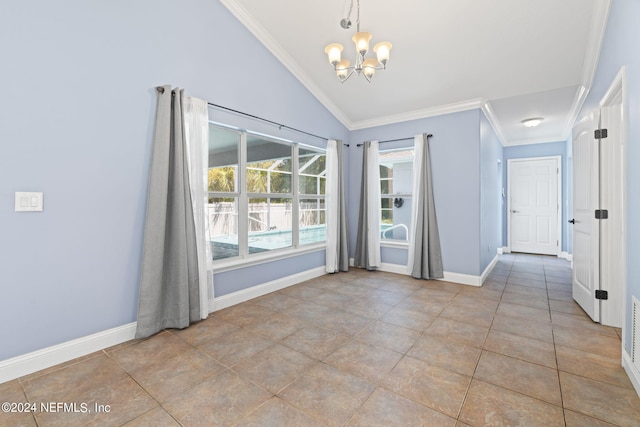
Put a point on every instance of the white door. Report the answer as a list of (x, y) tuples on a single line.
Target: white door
[(612, 191), (586, 231), (534, 205)]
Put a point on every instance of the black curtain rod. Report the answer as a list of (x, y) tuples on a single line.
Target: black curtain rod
[(394, 140), (280, 125)]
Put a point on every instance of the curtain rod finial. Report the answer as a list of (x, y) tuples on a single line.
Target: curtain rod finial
[(160, 89)]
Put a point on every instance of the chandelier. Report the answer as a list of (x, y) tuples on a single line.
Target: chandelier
[(363, 66)]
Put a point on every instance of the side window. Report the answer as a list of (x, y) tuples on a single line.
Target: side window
[(396, 183)]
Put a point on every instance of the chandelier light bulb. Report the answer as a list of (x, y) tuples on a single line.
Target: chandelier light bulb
[(334, 51), (382, 51), (361, 40), (369, 68), (342, 70)]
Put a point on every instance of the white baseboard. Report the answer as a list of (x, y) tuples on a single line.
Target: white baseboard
[(567, 256), (464, 279), (488, 270), (41, 359), (505, 250), (238, 297), (500, 251), (631, 370)]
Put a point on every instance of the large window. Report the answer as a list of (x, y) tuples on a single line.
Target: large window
[(396, 183), (264, 193)]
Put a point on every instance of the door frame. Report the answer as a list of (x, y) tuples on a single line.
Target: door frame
[(558, 159)]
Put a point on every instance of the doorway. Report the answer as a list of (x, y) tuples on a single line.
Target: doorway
[(534, 205)]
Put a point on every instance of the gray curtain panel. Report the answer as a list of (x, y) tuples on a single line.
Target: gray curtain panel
[(343, 233), (362, 240), (427, 254), (169, 284)]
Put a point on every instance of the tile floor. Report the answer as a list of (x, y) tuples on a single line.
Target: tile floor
[(361, 349)]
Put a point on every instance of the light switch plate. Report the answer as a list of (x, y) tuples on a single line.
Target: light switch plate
[(29, 201)]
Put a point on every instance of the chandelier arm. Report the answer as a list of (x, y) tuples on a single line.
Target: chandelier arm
[(358, 16)]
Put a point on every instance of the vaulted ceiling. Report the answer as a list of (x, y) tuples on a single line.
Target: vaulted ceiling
[(516, 59)]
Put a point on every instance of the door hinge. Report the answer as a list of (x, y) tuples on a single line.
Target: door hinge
[(602, 214), (602, 294), (600, 133)]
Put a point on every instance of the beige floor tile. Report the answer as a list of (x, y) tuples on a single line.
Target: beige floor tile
[(467, 313), (580, 324), (490, 405), (534, 283), (519, 376), (384, 409), (463, 333), (593, 366), (525, 290), (531, 313), (74, 380), (235, 347), (389, 336), (560, 295), (369, 309), (274, 368), (155, 417), (528, 300), (451, 355), (12, 393), (569, 307), (302, 291), (164, 345), (481, 293), (328, 393), (308, 311), (316, 342), (591, 343), (616, 405), (364, 360), (277, 301), (574, 419), (121, 401), (206, 330), (540, 331), (519, 347), (276, 326), (166, 378), (409, 318), (278, 413), (343, 322), (244, 314), (432, 386), (334, 299), (221, 400)]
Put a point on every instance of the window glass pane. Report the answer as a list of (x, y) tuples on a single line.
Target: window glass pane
[(396, 218), (313, 223), (269, 224), (385, 186), (223, 159), (223, 226), (312, 171), (268, 165)]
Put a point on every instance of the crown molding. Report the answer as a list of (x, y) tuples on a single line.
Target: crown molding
[(487, 109), (557, 138), (599, 20), (278, 51), (419, 114), (576, 107)]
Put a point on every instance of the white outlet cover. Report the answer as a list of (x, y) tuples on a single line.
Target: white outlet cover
[(29, 201)]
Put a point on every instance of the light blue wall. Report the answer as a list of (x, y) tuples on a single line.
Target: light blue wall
[(76, 123), (491, 201), (620, 47), (539, 150), (455, 160)]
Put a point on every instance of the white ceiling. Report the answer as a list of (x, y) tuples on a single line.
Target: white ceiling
[(516, 59)]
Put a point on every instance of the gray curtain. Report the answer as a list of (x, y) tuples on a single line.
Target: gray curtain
[(425, 256), (169, 284), (367, 246), (343, 233)]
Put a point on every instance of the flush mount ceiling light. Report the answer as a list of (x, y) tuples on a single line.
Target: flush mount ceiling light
[(533, 122), (363, 66)]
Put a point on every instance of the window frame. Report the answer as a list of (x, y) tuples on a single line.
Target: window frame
[(387, 242), (244, 258)]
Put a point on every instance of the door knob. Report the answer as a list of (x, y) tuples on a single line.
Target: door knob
[(572, 221), (512, 211)]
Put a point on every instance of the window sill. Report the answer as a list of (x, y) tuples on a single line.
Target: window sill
[(256, 259), (403, 244)]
